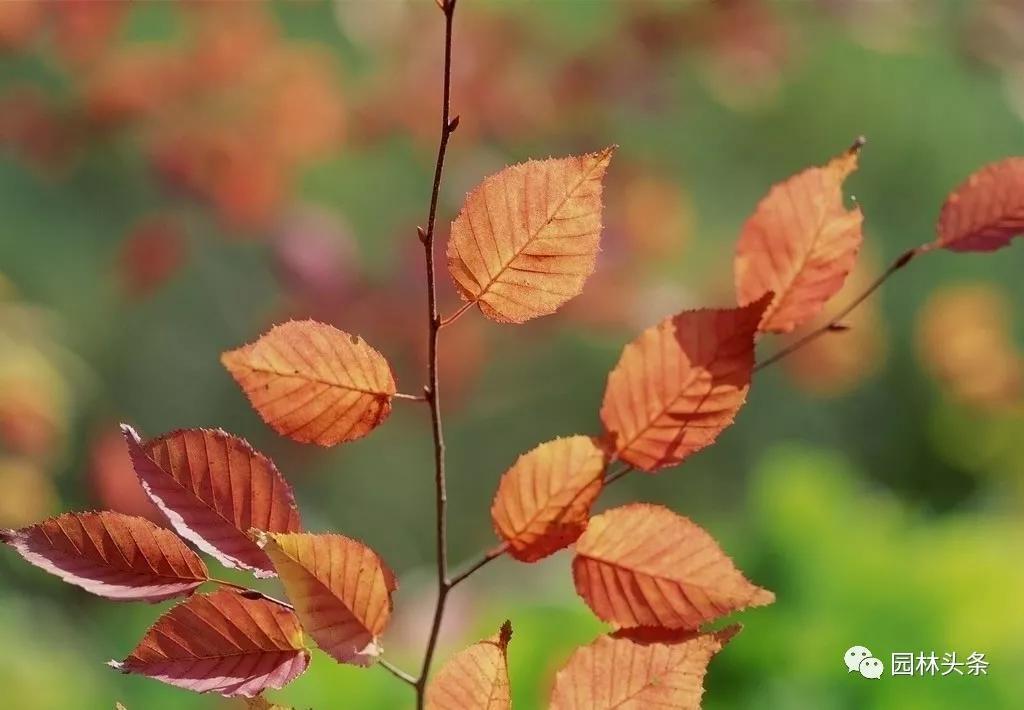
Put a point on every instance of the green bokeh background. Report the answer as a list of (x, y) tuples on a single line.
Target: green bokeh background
[(889, 517)]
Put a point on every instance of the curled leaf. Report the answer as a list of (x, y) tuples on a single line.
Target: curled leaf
[(543, 501), (800, 244), (678, 385), (116, 556), (643, 565), (527, 236), (314, 383), (475, 678), (341, 590), (986, 211), (214, 487), (617, 672), (223, 643)]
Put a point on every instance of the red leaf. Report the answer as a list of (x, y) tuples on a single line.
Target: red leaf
[(214, 488), (643, 565), (223, 643), (800, 243), (116, 556), (680, 384), (527, 237), (341, 590), (986, 211), (543, 501), (314, 383)]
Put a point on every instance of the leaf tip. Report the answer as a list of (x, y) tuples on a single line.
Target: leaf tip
[(505, 634), (858, 143)]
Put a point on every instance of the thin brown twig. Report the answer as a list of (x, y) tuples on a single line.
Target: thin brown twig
[(397, 672), (432, 390), (837, 319), (484, 559)]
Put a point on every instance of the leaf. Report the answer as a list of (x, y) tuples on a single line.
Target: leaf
[(527, 236), (223, 643), (643, 565), (476, 678), (623, 674), (214, 487), (986, 211), (543, 501), (314, 383), (341, 590), (678, 385), (116, 556), (800, 243)]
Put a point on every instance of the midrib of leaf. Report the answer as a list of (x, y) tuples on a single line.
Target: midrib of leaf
[(313, 378), (547, 222)]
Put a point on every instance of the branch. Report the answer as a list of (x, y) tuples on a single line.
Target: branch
[(836, 322), (484, 559), (432, 390)]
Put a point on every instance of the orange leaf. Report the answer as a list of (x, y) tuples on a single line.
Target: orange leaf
[(341, 590), (986, 211), (621, 673), (314, 383), (543, 501), (116, 556), (214, 488), (223, 643), (527, 236), (800, 243), (679, 384), (643, 565), (475, 678)]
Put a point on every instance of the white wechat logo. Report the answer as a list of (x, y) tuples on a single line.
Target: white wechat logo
[(858, 658)]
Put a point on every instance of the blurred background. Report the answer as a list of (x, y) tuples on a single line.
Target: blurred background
[(177, 176)]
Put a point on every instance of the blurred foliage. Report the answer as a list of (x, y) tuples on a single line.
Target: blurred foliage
[(176, 176)]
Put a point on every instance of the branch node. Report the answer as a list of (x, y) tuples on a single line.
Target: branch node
[(453, 124), (422, 234)]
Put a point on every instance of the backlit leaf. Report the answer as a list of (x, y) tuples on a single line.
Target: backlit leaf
[(643, 565), (986, 211), (624, 674), (214, 487), (475, 678), (314, 383), (544, 500), (678, 385), (341, 590), (527, 236), (113, 555), (223, 643), (800, 243)]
